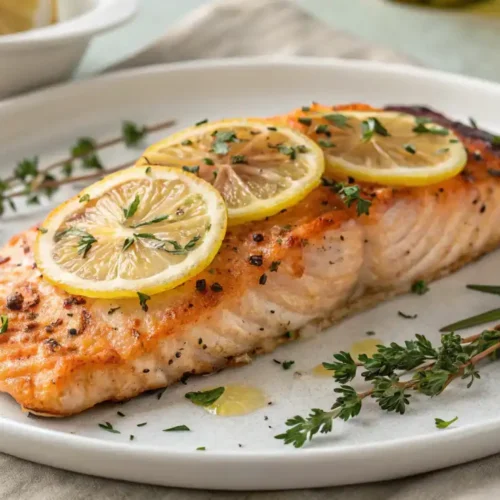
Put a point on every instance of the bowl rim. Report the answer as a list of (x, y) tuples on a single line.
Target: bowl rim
[(104, 15)]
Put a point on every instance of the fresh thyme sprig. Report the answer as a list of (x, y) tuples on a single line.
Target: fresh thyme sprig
[(30, 181), (350, 194), (434, 368)]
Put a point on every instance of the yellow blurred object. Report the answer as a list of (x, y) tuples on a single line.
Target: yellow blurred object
[(24, 15)]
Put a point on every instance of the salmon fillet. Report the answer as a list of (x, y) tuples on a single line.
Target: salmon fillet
[(298, 271)]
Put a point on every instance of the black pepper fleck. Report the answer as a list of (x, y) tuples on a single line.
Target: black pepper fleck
[(73, 331), (263, 279), (201, 285), (15, 301), (258, 237), (216, 287), (256, 260)]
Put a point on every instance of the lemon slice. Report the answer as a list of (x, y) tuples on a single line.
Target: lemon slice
[(385, 147), (139, 230), (23, 15), (258, 168)]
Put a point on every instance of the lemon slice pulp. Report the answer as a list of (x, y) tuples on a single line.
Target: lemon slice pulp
[(23, 15), (385, 147), (139, 230), (258, 168)]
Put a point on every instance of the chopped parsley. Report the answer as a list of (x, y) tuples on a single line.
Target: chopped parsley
[(305, 121), (419, 287), (187, 142), (407, 316), (127, 243), (222, 138), (132, 134), (4, 323), (287, 151), (338, 119), (160, 218), (372, 126), (322, 129), (112, 310), (142, 424), (350, 195), (143, 298), (236, 159), (84, 198), (275, 264), (177, 428), (443, 424), (208, 161), (202, 122), (410, 148), (192, 170), (422, 128), (201, 448), (205, 398), (132, 209), (108, 427), (326, 144), (286, 365)]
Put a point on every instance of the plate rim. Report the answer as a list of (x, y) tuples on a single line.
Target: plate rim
[(375, 450)]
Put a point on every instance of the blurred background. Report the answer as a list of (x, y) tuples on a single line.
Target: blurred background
[(81, 38), (464, 39)]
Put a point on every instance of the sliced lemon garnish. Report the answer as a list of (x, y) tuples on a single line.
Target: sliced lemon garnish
[(139, 230), (258, 168), (23, 15), (384, 147)]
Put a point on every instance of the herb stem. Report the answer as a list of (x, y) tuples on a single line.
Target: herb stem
[(71, 180), (102, 145)]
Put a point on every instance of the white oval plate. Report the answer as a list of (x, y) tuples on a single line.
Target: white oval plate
[(372, 447)]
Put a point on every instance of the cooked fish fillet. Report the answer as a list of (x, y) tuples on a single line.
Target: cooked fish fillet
[(63, 354)]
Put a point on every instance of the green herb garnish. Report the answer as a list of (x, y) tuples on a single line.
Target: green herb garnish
[(443, 424), (193, 170), (287, 151), (222, 138), (177, 428), (419, 287), (132, 209), (236, 159), (479, 319), (4, 323), (339, 120), (350, 194), (410, 149), (326, 144), (143, 298), (202, 122), (473, 122), (485, 289), (205, 398), (305, 121), (160, 218), (108, 427), (433, 369), (85, 244), (84, 198), (208, 161), (372, 126), (286, 365), (407, 316), (422, 128), (127, 243), (132, 134)]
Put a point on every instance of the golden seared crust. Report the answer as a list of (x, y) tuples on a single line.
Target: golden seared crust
[(63, 354)]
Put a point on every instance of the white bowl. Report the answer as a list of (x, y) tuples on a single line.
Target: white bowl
[(47, 55)]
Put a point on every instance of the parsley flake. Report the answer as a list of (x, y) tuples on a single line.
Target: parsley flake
[(205, 398), (177, 428), (143, 298), (192, 170), (84, 198), (338, 119), (108, 427), (419, 287), (4, 323), (372, 126), (132, 134), (443, 424), (132, 209)]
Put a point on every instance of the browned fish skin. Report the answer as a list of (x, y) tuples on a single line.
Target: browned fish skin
[(63, 354)]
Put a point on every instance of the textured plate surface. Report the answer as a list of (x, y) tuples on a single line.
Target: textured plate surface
[(48, 122)]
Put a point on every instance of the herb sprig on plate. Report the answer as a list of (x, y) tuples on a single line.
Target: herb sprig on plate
[(31, 181), (432, 368)]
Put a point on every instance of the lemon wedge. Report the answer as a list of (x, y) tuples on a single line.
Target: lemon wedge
[(139, 230), (259, 168), (23, 15), (383, 147)]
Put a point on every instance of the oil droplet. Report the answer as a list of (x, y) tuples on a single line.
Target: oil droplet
[(367, 346), (238, 400), (321, 371)]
